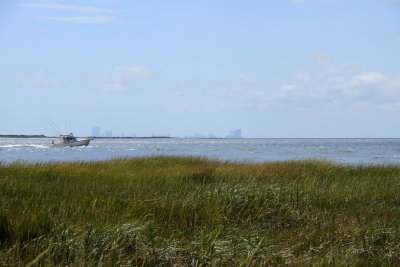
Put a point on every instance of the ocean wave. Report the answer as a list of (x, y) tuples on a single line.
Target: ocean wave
[(23, 146)]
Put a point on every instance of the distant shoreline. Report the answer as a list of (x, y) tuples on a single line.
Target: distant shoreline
[(172, 137), (22, 136), (100, 137)]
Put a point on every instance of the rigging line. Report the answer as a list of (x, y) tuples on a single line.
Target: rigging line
[(65, 122), (53, 125), (70, 125)]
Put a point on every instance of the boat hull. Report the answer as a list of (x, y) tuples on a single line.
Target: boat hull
[(82, 142)]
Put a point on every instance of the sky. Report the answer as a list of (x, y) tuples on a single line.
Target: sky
[(275, 69)]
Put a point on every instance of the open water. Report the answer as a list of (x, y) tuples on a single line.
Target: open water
[(348, 151)]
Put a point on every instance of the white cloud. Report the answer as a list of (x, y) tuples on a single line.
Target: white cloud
[(29, 79), (79, 19), (123, 78), (84, 9), (74, 13), (369, 79), (303, 1), (329, 85), (340, 85), (246, 92), (248, 78), (37, 79)]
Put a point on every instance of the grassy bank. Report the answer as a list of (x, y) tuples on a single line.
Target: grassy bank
[(191, 211)]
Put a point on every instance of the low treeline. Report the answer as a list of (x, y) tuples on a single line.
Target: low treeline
[(22, 136), (195, 211)]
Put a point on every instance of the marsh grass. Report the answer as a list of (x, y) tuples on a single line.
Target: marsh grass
[(194, 211)]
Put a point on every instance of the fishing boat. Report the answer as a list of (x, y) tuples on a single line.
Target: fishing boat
[(70, 140)]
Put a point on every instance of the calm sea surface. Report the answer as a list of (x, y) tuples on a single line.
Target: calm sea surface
[(352, 151)]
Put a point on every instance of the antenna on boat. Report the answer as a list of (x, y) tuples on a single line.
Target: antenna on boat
[(67, 130), (65, 122)]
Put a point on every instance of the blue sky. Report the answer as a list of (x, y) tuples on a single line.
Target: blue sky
[(287, 68)]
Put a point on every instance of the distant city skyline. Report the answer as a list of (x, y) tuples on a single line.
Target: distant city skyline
[(288, 68), (96, 132)]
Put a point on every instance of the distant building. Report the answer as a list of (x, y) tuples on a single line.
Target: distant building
[(199, 135), (108, 133), (96, 131), (235, 134), (196, 135)]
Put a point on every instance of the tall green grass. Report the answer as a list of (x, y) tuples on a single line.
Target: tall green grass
[(194, 211)]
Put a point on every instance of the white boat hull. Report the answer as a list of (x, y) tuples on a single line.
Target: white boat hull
[(81, 142)]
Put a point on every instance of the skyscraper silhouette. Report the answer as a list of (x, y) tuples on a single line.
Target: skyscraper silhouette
[(96, 131)]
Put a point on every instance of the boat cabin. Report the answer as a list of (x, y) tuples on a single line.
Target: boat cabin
[(67, 138)]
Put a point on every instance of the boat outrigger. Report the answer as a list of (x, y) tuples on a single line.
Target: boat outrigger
[(70, 140)]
